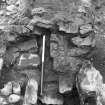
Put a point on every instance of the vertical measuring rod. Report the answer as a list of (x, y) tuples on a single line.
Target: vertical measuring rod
[(43, 59)]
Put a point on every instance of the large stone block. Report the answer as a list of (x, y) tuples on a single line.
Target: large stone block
[(66, 82), (52, 99), (27, 60), (78, 52), (50, 94), (88, 41), (31, 92), (64, 64), (90, 79), (27, 45)]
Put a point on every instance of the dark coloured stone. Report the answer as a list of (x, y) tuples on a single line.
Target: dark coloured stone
[(50, 94), (50, 76), (10, 37), (50, 87), (32, 73), (27, 45), (65, 63), (66, 82), (11, 56), (52, 98)]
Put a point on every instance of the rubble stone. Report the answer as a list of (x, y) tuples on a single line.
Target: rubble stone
[(32, 74), (11, 55), (88, 41), (16, 88), (7, 90), (65, 63), (2, 50), (69, 27), (11, 37), (54, 49), (60, 47), (28, 45), (50, 94), (3, 101), (90, 78), (26, 60), (51, 76), (66, 82), (85, 28), (31, 92), (13, 98), (76, 52), (58, 100)]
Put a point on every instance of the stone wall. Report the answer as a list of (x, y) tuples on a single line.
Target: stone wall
[(74, 52)]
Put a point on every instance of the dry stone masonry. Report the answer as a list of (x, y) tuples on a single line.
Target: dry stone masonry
[(74, 59)]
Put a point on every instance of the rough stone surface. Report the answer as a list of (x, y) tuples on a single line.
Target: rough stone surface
[(71, 27), (13, 98), (26, 60), (7, 90), (86, 28), (28, 45), (31, 92), (55, 99), (16, 88), (63, 64), (88, 41), (66, 82)]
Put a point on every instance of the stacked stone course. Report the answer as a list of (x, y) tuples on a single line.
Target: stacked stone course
[(72, 40)]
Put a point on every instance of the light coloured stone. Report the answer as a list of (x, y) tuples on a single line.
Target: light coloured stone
[(91, 79), (11, 8), (9, 2), (7, 90), (66, 81), (85, 28), (1, 63), (3, 101), (88, 41), (16, 88), (13, 98), (29, 60), (86, 1), (65, 89), (101, 95), (39, 10), (53, 101), (99, 101), (31, 92)]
